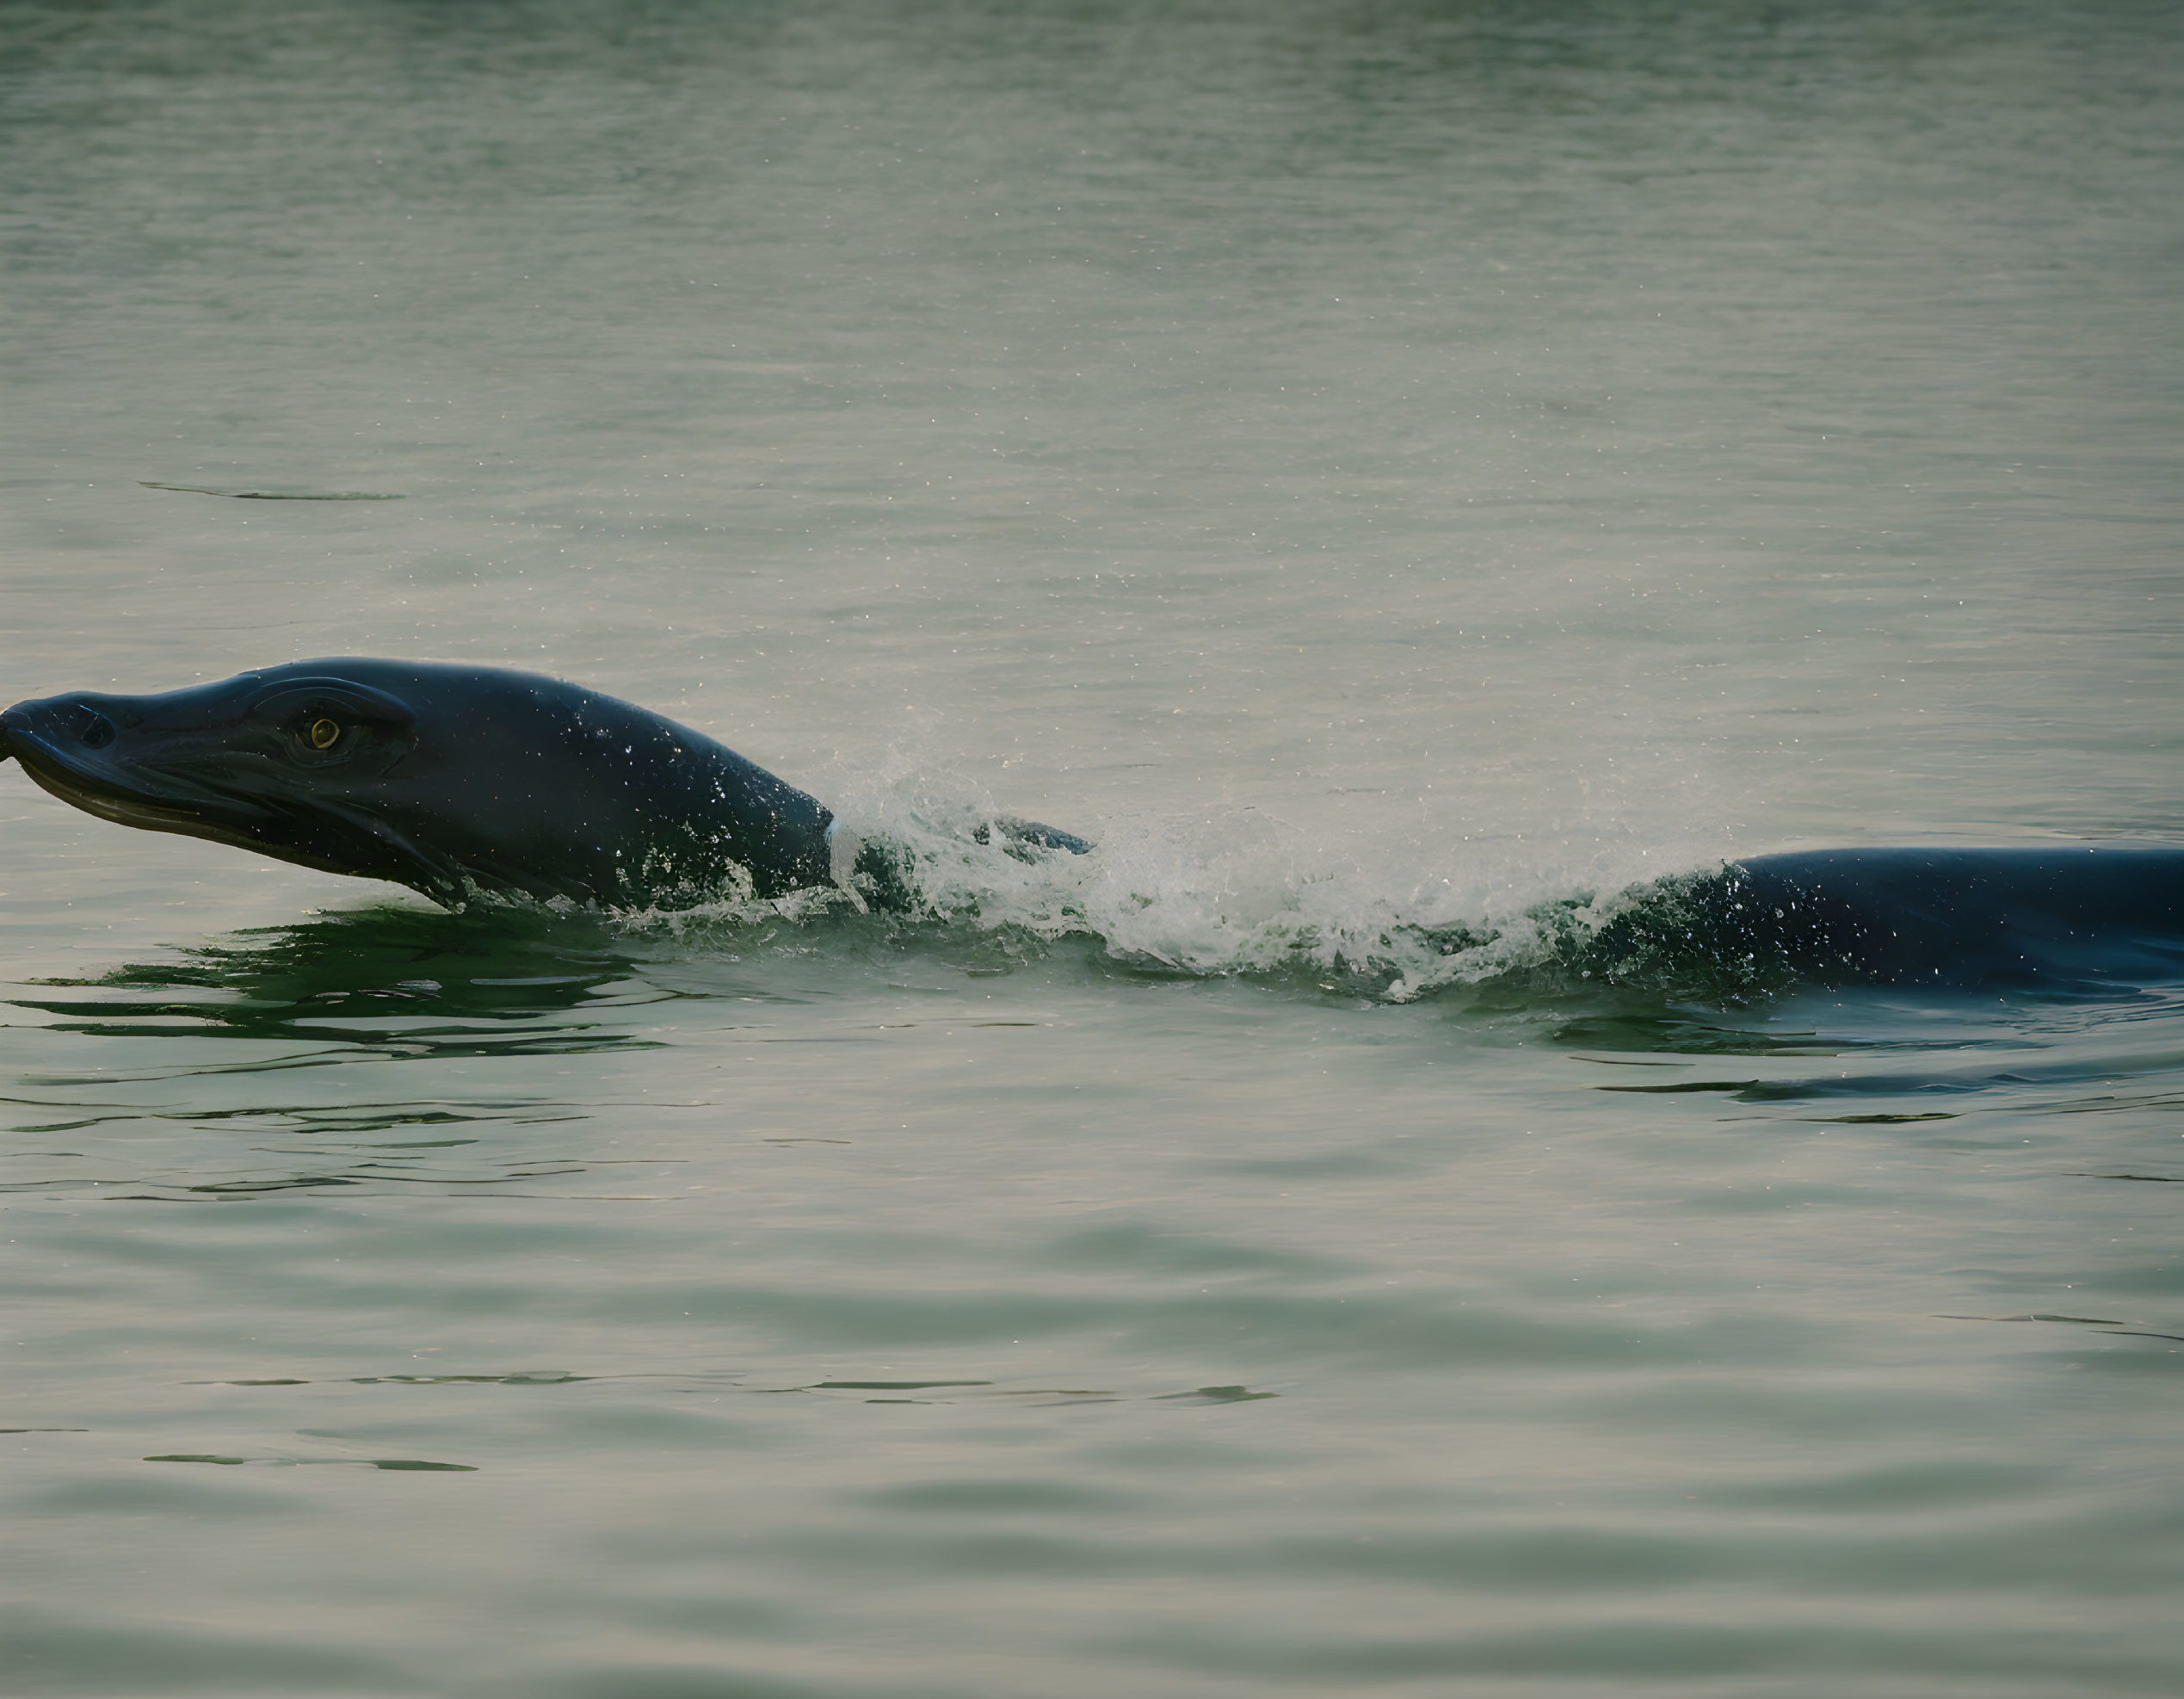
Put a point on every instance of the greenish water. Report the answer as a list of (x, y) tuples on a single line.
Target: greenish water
[(1379, 469)]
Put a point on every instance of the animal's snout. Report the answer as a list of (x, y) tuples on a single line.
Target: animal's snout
[(59, 721)]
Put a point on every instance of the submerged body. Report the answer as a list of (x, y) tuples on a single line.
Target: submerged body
[(2053, 915), (2060, 913), (459, 781)]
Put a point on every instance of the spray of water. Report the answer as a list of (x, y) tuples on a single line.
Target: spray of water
[(1231, 894)]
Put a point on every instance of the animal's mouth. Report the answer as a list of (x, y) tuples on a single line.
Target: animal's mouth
[(178, 805), (326, 832)]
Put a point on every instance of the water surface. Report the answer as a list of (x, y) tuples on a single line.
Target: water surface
[(1386, 471)]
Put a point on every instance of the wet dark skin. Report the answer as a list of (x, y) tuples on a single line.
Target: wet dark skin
[(452, 780), (2055, 916), (457, 780)]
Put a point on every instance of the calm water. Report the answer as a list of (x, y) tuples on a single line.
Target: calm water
[(1377, 468)]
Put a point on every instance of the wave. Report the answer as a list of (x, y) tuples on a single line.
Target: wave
[(1255, 900)]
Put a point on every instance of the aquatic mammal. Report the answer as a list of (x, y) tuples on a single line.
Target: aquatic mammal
[(2060, 915), (459, 780), (452, 780)]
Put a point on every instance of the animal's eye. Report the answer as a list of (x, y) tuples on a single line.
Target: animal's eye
[(322, 734)]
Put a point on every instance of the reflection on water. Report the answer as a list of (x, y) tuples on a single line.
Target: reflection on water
[(392, 981), (339, 990)]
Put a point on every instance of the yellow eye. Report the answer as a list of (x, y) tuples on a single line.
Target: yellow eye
[(324, 734)]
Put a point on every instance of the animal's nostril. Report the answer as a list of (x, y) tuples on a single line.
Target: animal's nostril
[(98, 730)]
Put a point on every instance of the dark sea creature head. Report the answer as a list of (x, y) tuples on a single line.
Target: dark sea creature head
[(453, 780)]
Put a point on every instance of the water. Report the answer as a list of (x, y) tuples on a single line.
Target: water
[(1378, 468)]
